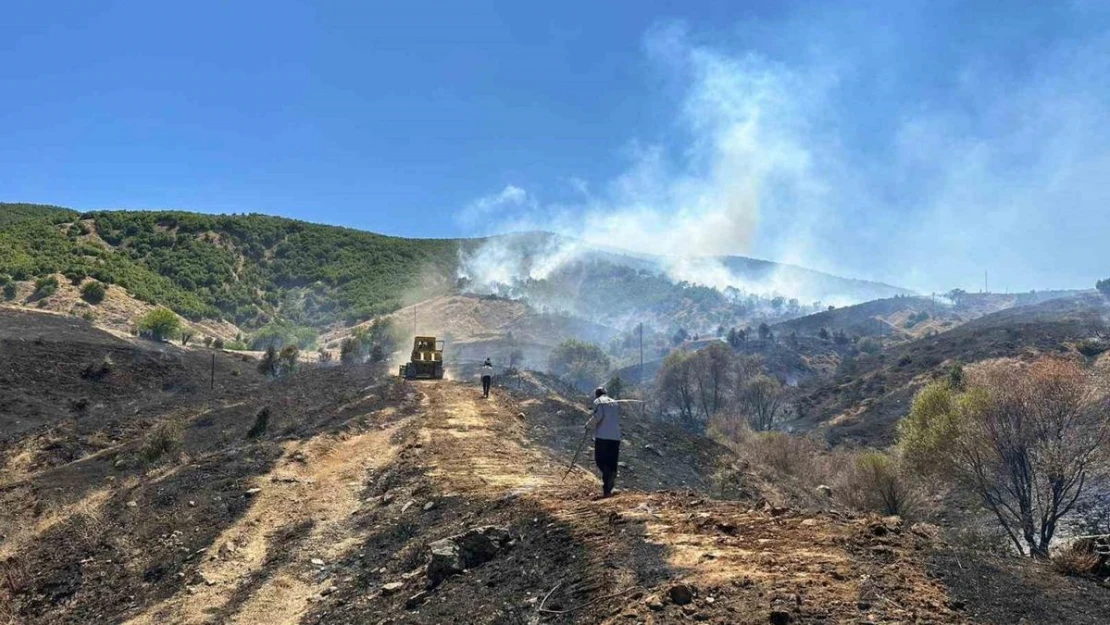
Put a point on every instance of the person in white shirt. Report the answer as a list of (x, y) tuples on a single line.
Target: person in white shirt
[(606, 424), (487, 377)]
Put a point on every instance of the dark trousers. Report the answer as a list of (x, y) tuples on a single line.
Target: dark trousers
[(486, 380), (606, 455)]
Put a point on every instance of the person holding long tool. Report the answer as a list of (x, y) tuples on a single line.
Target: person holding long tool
[(487, 377), (606, 425)]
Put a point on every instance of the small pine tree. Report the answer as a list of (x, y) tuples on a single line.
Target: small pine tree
[(261, 423)]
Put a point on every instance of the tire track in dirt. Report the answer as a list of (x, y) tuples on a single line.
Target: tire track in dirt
[(266, 569)]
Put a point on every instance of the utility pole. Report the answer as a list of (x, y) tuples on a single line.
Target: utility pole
[(643, 391), (986, 285), (212, 380), (641, 353)]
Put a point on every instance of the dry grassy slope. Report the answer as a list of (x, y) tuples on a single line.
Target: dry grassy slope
[(357, 473), (117, 313), (865, 405)]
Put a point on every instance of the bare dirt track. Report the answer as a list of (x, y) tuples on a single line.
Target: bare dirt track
[(469, 462)]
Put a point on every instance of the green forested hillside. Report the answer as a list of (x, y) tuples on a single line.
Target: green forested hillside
[(249, 269), (12, 212)]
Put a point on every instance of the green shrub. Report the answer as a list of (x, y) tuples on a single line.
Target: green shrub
[(615, 387), (160, 324), (9, 291), (276, 364), (93, 292), (582, 364), (45, 287)]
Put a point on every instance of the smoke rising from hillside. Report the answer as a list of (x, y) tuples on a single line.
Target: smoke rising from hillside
[(747, 155), (831, 149)]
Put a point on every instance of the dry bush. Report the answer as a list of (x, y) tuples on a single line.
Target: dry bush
[(1081, 558), (729, 429), (99, 369), (979, 540), (166, 437), (874, 481), (787, 454), (86, 526)]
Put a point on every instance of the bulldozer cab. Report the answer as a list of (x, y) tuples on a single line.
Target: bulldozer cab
[(426, 361)]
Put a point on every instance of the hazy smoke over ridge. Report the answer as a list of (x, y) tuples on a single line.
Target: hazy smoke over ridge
[(746, 155), (783, 155)]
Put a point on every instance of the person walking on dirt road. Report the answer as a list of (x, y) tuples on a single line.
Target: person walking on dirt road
[(487, 377), (606, 424)]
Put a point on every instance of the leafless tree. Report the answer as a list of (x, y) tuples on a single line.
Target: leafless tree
[(676, 388), (710, 374), (760, 398)]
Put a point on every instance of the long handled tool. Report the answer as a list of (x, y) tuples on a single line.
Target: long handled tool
[(585, 436), (581, 446)]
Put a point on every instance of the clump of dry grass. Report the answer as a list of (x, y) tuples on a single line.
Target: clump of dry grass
[(165, 438), (1083, 557)]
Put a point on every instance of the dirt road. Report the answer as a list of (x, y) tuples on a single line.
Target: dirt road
[(584, 560)]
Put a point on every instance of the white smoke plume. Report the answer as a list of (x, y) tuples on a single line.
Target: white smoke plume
[(1000, 168), (749, 126)]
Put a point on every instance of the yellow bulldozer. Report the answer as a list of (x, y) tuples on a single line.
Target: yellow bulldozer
[(427, 359)]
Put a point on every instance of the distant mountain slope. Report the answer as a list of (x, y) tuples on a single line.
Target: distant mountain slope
[(535, 254), (816, 285), (864, 403), (912, 317)]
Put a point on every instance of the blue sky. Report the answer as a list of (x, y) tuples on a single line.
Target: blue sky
[(920, 143)]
